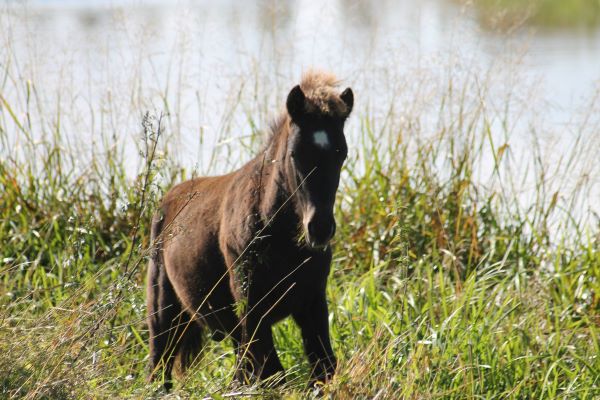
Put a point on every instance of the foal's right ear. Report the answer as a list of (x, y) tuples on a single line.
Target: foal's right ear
[(296, 104)]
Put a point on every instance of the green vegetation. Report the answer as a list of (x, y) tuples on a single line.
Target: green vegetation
[(442, 287), (506, 14)]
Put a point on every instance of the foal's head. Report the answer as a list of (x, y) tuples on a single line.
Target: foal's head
[(317, 149)]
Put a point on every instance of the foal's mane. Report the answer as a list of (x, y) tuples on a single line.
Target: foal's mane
[(321, 91)]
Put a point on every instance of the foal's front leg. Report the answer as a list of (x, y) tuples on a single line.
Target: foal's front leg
[(255, 350), (257, 354), (313, 322)]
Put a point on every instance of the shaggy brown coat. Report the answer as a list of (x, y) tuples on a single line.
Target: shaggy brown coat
[(229, 254)]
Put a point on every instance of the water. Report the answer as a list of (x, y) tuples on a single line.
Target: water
[(221, 69)]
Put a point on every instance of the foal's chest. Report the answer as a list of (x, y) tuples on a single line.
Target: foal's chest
[(285, 277)]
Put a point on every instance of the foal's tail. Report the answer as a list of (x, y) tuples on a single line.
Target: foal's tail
[(175, 339)]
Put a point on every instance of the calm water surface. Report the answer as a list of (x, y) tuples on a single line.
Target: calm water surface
[(218, 67)]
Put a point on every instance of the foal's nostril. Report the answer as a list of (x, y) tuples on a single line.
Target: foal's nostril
[(320, 231), (311, 229)]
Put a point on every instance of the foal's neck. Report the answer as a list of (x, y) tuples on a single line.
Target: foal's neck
[(275, 171)]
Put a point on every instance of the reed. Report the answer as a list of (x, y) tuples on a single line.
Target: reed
[(445, 285)]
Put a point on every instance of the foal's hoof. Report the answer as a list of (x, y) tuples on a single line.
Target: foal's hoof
[(167, 384)]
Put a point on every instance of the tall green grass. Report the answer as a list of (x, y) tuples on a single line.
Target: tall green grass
[(442, 286)]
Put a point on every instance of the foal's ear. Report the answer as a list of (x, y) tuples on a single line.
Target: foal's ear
[(347, 97), (296, 104)]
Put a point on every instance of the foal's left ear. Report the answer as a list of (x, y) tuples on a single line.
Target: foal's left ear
[(296, 104), (347, 97)]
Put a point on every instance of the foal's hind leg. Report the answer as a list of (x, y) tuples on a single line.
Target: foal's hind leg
[(166, 323)]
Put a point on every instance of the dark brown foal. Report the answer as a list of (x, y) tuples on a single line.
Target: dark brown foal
[(239, 252)]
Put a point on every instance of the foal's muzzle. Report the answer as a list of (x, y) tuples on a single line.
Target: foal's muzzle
[(319, 230)]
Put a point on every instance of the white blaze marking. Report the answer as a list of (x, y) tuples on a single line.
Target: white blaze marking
[(321, 139)]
